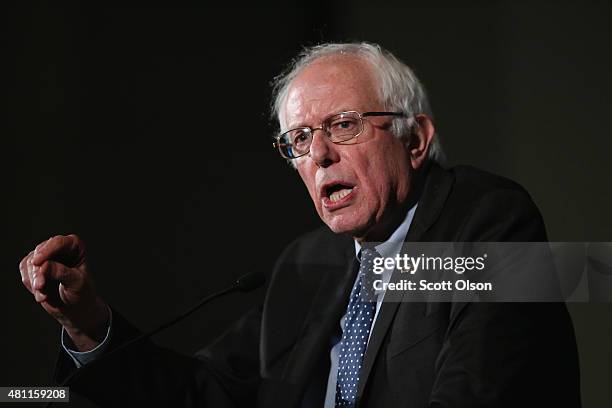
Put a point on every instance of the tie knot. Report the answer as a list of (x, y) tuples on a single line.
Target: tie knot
[(367, 254), (366, 273)]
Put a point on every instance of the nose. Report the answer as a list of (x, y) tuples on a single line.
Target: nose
[(322, 151)]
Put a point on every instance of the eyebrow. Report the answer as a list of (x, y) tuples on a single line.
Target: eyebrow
[(302, 125)]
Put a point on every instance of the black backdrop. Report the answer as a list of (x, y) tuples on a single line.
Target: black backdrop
[(146, 132)]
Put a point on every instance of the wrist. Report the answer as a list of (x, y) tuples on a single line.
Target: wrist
[(91, 329)]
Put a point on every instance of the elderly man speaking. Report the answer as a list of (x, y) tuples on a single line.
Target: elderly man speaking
[(356, 125)]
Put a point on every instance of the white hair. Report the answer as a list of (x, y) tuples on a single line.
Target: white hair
[(399, 88)]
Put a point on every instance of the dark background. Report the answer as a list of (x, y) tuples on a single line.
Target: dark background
[(146, 132)]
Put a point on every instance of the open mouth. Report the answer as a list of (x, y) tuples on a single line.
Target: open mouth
[(336, 192)]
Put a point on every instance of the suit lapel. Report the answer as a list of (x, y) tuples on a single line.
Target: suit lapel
[(327, 308), (434, 195), (435, 192)]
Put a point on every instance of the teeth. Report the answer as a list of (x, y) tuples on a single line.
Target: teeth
[(339, 195)]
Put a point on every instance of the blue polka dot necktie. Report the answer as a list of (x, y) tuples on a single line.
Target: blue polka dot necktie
[(357, 326)]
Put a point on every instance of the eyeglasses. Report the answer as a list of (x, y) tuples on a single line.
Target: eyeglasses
[(339, 128)]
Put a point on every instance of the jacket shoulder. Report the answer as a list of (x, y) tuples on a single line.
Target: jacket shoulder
[(475, 183), (320, 244), (481, 206)]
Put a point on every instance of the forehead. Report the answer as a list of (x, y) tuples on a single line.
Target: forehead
[(330, 85)]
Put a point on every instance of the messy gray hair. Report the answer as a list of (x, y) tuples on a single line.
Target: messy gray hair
[(399, 88)]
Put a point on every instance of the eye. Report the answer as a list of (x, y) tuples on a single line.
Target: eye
[(344, 125), (299, 139), (299, 136)]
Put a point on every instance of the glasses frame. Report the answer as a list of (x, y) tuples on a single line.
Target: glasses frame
[(278, 145)]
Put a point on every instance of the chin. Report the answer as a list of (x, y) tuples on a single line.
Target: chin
[(342, 225)]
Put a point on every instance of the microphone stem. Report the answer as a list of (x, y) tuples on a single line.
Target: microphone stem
[(189, 311)]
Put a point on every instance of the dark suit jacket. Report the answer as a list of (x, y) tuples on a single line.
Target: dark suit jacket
[(419, 354)]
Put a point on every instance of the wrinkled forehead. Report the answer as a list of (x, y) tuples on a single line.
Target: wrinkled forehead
[(327, 86)]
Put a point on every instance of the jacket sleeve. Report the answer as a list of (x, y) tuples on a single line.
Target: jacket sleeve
[(224, 374), (497, 354)]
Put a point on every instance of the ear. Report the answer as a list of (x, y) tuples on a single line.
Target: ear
[(421, 134)]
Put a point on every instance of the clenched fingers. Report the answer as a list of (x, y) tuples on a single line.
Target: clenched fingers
[(38, 279), (24, 272), (67, 249), (32, 278)]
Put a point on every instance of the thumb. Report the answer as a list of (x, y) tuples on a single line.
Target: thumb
[(55, 272), (60, 285)]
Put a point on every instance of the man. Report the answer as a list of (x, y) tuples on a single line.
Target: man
[(356, 125)]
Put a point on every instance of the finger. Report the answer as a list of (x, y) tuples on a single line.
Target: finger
[(23, 271), (37, 280), (37, 248), (58, 272), (38, 277), (30, 269), (66, 249), (47, 278), (40, 296), (52, 277)]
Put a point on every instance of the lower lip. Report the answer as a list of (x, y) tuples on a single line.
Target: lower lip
[(343, 202)]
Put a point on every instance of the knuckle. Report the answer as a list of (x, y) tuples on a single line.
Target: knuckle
[(22, 272), (54, 240), (76, 240), (23, 262), (64, 241), (26, 283)]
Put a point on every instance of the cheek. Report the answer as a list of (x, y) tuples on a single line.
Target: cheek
[(309, 180), (381, 179)]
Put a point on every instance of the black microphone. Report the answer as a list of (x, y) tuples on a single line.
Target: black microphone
[(245, 283), (250, 281)]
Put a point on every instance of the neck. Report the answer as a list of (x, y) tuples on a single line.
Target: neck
[(384, 229)]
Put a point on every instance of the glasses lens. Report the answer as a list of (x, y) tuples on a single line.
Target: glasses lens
[(343, 126), (295, 143)]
